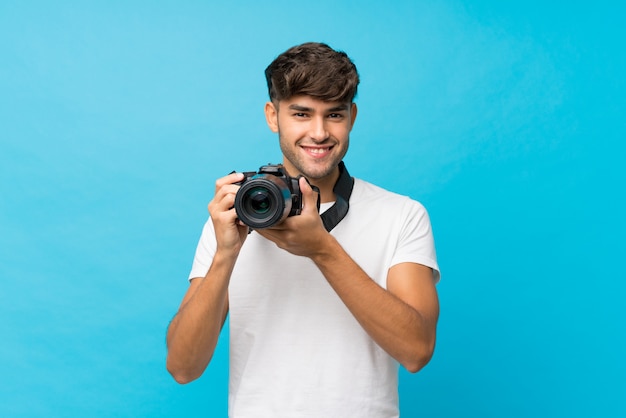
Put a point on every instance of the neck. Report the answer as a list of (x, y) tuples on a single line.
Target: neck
[(326, 186)]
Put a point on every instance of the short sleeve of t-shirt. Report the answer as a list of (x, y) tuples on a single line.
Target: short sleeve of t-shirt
[(415, 241), (204, 252)]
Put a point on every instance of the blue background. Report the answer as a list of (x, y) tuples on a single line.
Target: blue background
[(506, 119)]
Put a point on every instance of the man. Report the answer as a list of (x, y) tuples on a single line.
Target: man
[(322, 308)]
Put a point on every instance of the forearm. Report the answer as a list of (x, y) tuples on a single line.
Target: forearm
[(402, 331), (193, 333)]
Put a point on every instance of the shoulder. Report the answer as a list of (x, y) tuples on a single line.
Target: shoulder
[(373, 196)]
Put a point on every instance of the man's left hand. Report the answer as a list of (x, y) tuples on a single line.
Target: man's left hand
[(304, 234)]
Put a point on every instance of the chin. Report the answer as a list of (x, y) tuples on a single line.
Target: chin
[(316, 174)]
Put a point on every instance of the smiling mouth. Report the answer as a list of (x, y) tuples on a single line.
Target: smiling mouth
[(317, 151)]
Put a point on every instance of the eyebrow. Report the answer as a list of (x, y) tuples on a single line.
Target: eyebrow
[(341, 107)]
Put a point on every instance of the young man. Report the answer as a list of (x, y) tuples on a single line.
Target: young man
[(322, 308)]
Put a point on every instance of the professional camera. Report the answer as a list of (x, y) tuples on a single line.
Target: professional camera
[(268, 197)]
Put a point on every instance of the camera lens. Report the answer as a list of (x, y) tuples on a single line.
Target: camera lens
[(263, 201), (258, 200)]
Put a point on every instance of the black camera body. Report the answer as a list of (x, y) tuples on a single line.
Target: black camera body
[(268, 197)]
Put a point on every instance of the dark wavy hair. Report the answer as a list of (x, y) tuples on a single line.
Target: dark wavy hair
[(312, 69)]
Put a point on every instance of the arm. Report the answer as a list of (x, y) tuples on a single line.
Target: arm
[(193, 333), (401, 319)]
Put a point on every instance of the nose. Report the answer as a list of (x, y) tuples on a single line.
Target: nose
[(318, 131)]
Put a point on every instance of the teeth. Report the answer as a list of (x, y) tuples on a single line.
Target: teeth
[(318, 150)]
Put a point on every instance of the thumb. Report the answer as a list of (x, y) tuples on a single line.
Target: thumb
[(310, 197)]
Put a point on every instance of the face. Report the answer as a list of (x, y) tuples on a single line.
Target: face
[(314, 135)]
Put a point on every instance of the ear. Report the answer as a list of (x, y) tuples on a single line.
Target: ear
[(271, 116), (353, 112)]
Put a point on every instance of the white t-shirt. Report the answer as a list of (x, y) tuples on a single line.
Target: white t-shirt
[(295, 349)]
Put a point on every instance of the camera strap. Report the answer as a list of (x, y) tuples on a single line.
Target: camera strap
[(342, 190)]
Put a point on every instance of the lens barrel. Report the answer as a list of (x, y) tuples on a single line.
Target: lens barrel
[(263, 201)]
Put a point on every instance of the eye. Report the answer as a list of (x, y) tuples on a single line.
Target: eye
[(335, 116)]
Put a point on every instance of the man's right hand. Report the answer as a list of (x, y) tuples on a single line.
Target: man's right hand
[(229, 232)]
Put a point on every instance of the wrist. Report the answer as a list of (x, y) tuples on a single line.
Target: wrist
[(327, 251), (226, 255)]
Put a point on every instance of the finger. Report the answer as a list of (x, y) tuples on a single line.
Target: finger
[(225, 189), (309, 196), (229, 179), (223, 209), (224, 199)]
